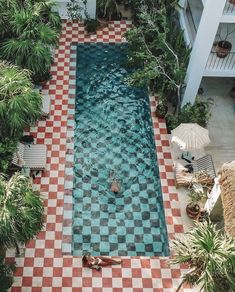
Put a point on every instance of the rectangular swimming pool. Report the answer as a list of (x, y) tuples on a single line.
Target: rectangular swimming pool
[(114, 142)]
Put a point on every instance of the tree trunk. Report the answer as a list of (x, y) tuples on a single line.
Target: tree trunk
[(17, 248), (180, 285)]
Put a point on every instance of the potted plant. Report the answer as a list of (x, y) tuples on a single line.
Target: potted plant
[(209, 254), (195, 195), (223, 46), (161, 108), (91, 25)]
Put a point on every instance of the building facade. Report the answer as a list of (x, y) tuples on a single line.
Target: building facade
[(208, 25), (61, 6)]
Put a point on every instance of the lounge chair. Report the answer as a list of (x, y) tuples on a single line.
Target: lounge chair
[(46, 103), (203, 172), (46, 106), (31, 156), (206, 164)]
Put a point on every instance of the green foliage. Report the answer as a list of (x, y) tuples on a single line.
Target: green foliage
[(33, 30), (76, 10), (6, 275), (21, 212), (157, 50), (198, 113), (196, 194), (7, 148), (108, 9), (20, 106), (210, 255), (91, 25)]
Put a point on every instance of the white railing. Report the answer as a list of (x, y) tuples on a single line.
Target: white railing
[(229, 7), (216, 63)]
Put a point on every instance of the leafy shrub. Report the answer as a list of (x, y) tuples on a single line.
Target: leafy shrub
[(198, 113), (6, 275), (7, 148)]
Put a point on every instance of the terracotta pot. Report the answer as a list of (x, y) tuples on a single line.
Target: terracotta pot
[(192, 212), (232, 1), (223, 48)]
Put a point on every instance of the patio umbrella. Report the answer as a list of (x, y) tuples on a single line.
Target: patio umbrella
[(190, 136)]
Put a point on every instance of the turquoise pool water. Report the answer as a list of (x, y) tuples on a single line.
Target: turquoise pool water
[(114, 141)]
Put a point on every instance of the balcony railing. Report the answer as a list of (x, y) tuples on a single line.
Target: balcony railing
[(216, 63), (229, 8)]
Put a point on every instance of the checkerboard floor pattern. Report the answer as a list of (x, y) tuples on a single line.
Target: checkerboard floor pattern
[(42, 266)]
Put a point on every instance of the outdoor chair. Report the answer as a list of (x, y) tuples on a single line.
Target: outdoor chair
[(46, 106), (31, 157), (203, 172)]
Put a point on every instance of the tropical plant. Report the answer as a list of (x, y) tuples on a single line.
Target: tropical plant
[(76, 10), (157, 50), (21, 211), (108, 9), (198, 113), (91, 25), (20, 105), (6, 275), (32, 32), (7, 148), (210, 255), (195, 195)]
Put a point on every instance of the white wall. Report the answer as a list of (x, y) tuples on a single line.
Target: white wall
[(91, 8)]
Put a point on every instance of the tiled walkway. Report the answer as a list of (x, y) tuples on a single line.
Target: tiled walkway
[(43, 267)]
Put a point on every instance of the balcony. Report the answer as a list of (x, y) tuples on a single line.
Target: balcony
[(229, 8), (220, 66)]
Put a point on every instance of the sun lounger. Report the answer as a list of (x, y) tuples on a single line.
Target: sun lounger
[(31, 156), (203, 172), (46, 106)]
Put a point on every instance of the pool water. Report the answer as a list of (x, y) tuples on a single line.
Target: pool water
[(114, 141)]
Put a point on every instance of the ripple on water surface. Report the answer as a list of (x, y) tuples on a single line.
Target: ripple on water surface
[(114, 141)]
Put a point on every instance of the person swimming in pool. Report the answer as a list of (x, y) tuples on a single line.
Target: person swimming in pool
[(114, 186)]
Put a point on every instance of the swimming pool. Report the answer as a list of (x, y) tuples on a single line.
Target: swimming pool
[(114, 140)]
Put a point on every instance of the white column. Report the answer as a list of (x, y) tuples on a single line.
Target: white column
[(203, 43)]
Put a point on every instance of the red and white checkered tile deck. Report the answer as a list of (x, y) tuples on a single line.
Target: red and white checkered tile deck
[(43, 267)]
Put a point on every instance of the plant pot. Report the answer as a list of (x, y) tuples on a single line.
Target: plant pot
[(192, 212), (223, 48), (232, 92), (232, 1), (161, 111)]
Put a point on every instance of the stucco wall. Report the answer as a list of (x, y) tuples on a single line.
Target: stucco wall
[(91, 8)]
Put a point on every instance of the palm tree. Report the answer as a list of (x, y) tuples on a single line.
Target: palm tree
[(21, 211), (20, 106), (210, 255), (6, 275), (31, 35)]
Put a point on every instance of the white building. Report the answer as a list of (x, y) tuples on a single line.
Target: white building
[(61, 6), (205, 22)]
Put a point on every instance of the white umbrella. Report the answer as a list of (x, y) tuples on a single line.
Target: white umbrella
[(190, 136)]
